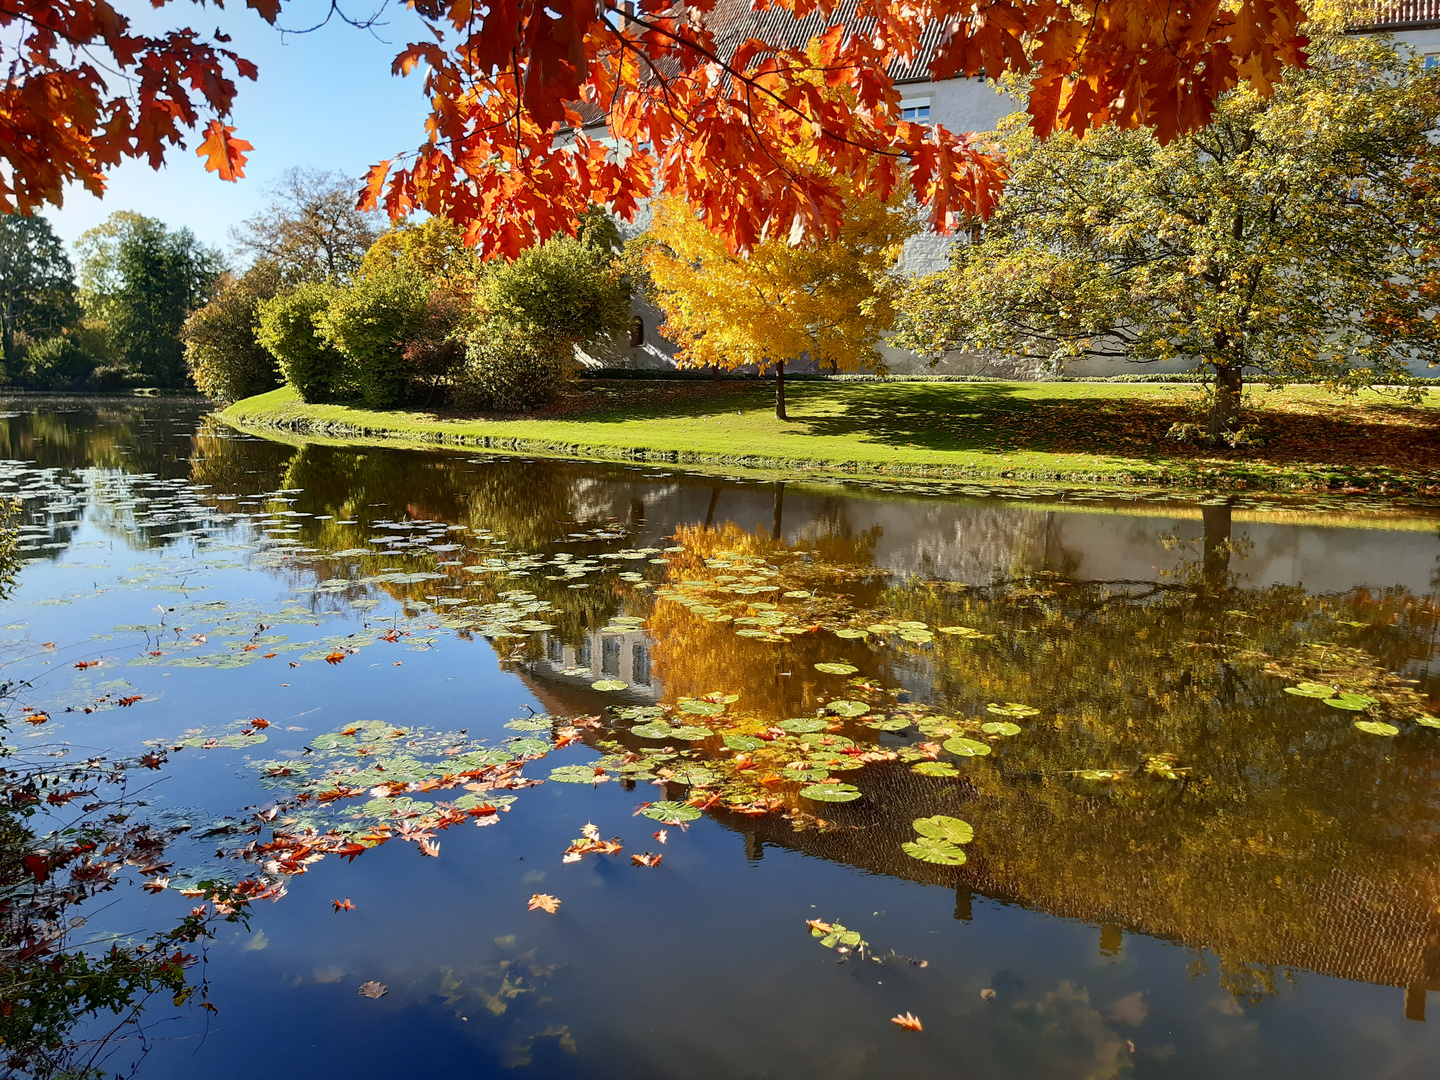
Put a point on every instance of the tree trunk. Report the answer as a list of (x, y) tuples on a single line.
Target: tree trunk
[(1216, 565), (779, 509), (780, 390), (1226, 410)]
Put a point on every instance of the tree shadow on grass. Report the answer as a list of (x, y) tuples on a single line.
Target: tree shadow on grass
[(993, 417)]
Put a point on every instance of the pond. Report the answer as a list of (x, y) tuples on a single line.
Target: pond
[(1092, 786)]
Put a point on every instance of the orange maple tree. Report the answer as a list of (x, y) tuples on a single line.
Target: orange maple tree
[(751, 132)]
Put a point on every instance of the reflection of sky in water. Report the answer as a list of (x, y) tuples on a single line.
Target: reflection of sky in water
[(703, 966)]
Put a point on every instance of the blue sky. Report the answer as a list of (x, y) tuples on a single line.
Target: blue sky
[(323, 100)]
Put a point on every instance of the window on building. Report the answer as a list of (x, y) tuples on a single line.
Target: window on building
[(637, 331), (916, 110), (639, 665)]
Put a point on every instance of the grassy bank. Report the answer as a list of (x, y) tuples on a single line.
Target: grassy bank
[(1068, 433)]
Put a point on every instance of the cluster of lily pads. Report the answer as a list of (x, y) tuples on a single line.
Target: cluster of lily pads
[(1386, 698)]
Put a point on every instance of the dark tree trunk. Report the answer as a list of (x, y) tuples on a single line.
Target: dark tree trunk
[(1226, 410), (780, 390), (1216, 521), (779, 509), (710, 513)]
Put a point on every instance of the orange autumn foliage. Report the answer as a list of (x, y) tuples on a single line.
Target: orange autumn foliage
[(692, 107)]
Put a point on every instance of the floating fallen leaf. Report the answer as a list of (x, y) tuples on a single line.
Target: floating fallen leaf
[(662, 836), (987, 994), (343, 905), (908, 1021), (373, 989), (334, 658), (429, 847), (83, 664), (646, 859), (544, 902)]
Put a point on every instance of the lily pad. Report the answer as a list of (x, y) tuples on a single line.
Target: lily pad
[(893, 723), (851, 633), (743, 742), (935, 768), (1377, 727), (577, 774), (847, 708), (802, 724), (695, 775), (831, 792), (1000, 727), (1428, 721), (941, 827), (932, 850), (692, 707), (961, 747), (670, 813), (653, 731), (838, 668), (1311, 689), (1012, 708), (609, 684), (1351, 702)]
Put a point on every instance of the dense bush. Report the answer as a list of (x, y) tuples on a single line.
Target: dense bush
[(564, 289), (226, 359), (290, 330), (371, 321), (510, 372), (57, 363)]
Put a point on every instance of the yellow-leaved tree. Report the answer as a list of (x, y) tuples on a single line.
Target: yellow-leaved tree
[(829, 300)]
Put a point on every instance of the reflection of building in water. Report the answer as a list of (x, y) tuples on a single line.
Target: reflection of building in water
[(602, 655), (1340, 911)]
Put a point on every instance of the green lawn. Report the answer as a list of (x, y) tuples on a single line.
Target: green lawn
[(1067, 432)]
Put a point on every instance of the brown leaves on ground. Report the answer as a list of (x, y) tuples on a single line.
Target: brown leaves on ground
[(373, 989), (908, 1021), (544, 902)]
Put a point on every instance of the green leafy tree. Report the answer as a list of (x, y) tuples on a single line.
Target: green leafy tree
[(37, 283), (567, 289), (371, 321), (1292, 237), (226, 358), (143, 280), (290, 330)]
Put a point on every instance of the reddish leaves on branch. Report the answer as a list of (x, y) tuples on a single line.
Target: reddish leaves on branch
[(84, 91), (754, 135)]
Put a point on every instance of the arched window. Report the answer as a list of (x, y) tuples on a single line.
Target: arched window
[(637, 331)]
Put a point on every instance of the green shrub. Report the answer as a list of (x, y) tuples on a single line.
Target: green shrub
[(371, 321), (510, 372), (225, 358), (290, 331), (563, 289), (57, 363)]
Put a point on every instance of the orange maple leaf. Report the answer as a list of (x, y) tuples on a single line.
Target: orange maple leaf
[(544, 902), (223, 154)]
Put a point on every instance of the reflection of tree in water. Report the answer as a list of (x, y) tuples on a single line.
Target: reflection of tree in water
[(1223, 813)]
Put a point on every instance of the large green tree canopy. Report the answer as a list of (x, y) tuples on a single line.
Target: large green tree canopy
[(1293, 236), (37, 282), (142, 281)]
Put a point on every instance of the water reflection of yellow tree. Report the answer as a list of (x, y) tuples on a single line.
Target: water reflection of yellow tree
[(1168, 787)]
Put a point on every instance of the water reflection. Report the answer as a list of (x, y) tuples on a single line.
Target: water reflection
[(1165, 788)]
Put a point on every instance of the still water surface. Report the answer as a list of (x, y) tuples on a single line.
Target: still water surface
[(1177, 870)]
